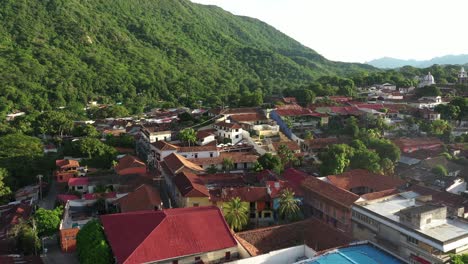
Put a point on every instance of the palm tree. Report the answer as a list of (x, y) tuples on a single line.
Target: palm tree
[(188, 135), (288, 205), (236, 213)]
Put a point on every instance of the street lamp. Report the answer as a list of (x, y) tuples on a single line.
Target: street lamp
[(40, 185)]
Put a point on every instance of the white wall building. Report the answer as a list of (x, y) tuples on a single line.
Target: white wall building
[(229, 131)]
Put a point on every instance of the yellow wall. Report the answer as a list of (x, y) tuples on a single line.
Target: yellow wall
[(201, 201)]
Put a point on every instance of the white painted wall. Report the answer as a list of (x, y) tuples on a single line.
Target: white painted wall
[(282, 256)]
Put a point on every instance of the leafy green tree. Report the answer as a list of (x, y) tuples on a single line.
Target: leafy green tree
[(99, 154), (257, 167), (47, 221), (236, 213), (385, 148), (53, 123), (352, 127), (439, 127), (86, 131), (5, 191), (459, 259), (211, 169), (91, 244), (448, 112), (271, 162), (27, 239), (188, 135), (336, 159), (428, 91), (228, 164), (16, 150), (388, 167), (288, 205), (440, 170), (123, 140), (286, 155), (366, 159)]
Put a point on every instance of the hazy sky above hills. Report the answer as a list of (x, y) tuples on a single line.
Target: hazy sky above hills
[(362, 30)]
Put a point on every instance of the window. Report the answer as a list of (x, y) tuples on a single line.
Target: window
[(253, 215), (245, 165), (267, 215), (227, 256), (211, 154), (197, 258), (175, 262), (428, 221), (196, 204), (196, 155), (79, 187), (237, 136), (237, 130), (411, 240)]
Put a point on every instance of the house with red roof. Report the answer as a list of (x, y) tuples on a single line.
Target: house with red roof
[(130, 165), (260, 205), (78, 184), (183, 235), (206, 136), (408, 145), (191, 190), (67, 169), (144, 197)]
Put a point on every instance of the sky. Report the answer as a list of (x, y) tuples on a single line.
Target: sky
[(362, 30)]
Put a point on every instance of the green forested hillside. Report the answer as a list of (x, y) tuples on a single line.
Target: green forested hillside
[(140, 52)]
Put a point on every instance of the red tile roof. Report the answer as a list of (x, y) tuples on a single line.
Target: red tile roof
[(378, 195), (80, 181), (328, 191), (161, 235), (247, 194), (205, 133), (130, 165), (363, 178), (291, 145), (294, 110), (143, 198), (248, 117), (163, 145), (190, 185), (276, 187), (312, 232), (295, 177), (228, 125), (237, 157), (266, 175), (175, 163), (95, 196), (66, 163), (345, 110), (412, 144), (208, 147)]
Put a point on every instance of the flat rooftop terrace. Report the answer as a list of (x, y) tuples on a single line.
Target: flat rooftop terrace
[(361, 254), (443, 230)]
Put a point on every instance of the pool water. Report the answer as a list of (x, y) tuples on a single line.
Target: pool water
[(362, 254)]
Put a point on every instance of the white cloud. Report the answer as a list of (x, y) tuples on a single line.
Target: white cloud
[(361, 30)]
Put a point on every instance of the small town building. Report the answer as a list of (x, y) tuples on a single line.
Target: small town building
[(184, 235)]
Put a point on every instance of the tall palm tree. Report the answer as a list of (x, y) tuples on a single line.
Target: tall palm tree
[(288, 205), (188, 135), (236, 213)]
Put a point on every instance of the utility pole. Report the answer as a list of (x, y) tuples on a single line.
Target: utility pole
[(40, 186)]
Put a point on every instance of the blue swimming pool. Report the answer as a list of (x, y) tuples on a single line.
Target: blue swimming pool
[(362, 254)]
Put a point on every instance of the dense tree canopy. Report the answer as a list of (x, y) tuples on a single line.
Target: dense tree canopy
[(47, 221), (91, 244)]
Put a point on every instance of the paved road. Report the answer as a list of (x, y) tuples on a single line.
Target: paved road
[(54, 254), (49, 201)]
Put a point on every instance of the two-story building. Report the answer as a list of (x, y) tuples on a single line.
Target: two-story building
[(409, 227), (228, 132)]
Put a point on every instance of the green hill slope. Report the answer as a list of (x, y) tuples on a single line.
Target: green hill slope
[(60, 52)]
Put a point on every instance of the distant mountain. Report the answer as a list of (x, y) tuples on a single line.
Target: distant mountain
[(59, 52), (391, 63)]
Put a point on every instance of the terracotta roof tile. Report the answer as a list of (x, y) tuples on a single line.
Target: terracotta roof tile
[(143, 198), (328, 191), (247, 194), (175, 163), (311, 232), (130, 165), (160, 235), (249, 117), (80, 181), (66, 163), (190, 185), (228, 125), (163, 145), (363, 178)]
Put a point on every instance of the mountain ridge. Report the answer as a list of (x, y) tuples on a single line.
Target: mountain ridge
[(58, 52), (392, 63)]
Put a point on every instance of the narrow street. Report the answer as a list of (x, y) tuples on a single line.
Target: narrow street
[(54, 255)]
